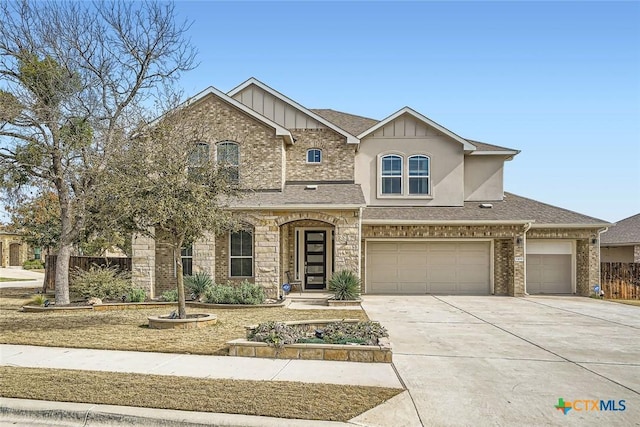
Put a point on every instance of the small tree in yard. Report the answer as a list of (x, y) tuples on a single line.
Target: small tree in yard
[(75, 79), (166, 181)]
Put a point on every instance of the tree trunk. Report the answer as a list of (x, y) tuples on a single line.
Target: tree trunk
[(182, 306), (62, 274)]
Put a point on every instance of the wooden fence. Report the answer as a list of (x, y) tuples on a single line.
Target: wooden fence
[(82, 262), (620, 280)]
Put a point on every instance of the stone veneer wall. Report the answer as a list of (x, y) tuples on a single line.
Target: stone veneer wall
[(636, 253), (338, 158), (143, 263), (288, 243), (587, 254)]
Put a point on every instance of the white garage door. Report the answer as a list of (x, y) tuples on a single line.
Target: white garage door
[(549, 266), (428, 268), (549, 274)]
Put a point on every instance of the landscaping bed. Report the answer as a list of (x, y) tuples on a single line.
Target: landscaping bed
[(330, 339), (142, 305)]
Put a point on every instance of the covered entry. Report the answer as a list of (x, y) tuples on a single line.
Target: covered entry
[(549, 267), (402, 267)]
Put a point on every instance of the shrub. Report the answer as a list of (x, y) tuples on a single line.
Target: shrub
[(34, 264), (170, 296), (38, 300), (359, 333), (101, 282), (345, 285), (137, 295), (198, 284), (244, 293), (276, 333)]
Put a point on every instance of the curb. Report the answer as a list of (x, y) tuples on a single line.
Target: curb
[(87, 414)]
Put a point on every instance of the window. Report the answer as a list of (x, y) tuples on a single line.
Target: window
[(199, 156), (241, 254), (314, 155), (418, 175), (186, 254), (228, 156), (392, 174)]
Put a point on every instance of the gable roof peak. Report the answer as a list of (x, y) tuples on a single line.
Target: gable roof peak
[(351, 139)]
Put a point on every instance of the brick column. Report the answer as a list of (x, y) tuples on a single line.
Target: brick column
[(266, 260), (143, 263), (587, 266), (636, 253), (519, 271), (347, 243)]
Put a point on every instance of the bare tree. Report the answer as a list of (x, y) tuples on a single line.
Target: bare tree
[(168, 184), (75, 79)]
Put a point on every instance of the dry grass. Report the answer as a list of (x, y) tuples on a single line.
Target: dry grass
[(9, 279), (635, 302), (272, 399), (127, 329)]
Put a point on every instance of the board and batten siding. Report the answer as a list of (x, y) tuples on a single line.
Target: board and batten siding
[(275, 109)]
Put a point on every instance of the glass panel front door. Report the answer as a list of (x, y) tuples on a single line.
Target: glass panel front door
[(315, 259)]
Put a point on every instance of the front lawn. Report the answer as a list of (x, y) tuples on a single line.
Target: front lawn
[(127, 329), (267, 398)]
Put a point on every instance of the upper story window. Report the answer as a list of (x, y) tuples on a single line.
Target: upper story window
[(392, 174), (228, 157), (314, 155), (418, 175), (199, 155), (402, 175)]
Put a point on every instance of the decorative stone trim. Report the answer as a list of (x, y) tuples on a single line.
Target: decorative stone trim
[(192, 321), (380, 353)]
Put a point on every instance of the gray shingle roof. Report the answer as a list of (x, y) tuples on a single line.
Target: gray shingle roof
[(512, 208), (353, 124), (483, 146), (299, 195), (624, 232)]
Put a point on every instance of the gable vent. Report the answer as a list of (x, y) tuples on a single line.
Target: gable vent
[(486, 205)]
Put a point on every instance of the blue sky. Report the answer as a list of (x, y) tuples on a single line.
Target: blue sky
[(559, 81)]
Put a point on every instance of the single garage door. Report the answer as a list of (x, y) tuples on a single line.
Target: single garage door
[(549, 274), (428, 268)]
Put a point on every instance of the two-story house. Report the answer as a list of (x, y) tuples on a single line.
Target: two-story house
[(410, 206)]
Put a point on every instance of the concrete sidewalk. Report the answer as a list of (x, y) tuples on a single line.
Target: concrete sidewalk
[(398, 411), (197, 366), (27, 278)]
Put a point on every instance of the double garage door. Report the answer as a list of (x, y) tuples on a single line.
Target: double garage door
[(428, 268)]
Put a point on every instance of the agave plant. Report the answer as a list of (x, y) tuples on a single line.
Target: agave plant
[(345, 285), (198, 284)]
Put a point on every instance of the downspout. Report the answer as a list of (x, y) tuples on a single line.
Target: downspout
[(527, 226)]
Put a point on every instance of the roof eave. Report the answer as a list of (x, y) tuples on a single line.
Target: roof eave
[(572, 225), (305, 207), (444, 222)]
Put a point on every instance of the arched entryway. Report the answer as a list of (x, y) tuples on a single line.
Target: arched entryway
[(307, 250)]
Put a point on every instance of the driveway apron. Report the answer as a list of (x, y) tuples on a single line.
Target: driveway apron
[(470, 360)]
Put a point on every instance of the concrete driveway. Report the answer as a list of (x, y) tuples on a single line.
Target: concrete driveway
[(506, 361), (25, 278)]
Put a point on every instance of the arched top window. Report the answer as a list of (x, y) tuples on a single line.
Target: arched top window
[(314, 155), (419, 174), (391, 171), (228, 157), (199, 154)]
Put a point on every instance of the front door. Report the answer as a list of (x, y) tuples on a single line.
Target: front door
[(14, 254), (315, 259)]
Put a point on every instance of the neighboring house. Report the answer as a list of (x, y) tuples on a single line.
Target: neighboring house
[(407, 204), (13, 251), (621, 243)]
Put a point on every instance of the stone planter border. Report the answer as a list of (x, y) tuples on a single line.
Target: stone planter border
[(380, 353), (192, 321), (139, 305), (344, 303)]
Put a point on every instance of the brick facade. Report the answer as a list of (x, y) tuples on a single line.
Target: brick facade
[(337, 157)]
